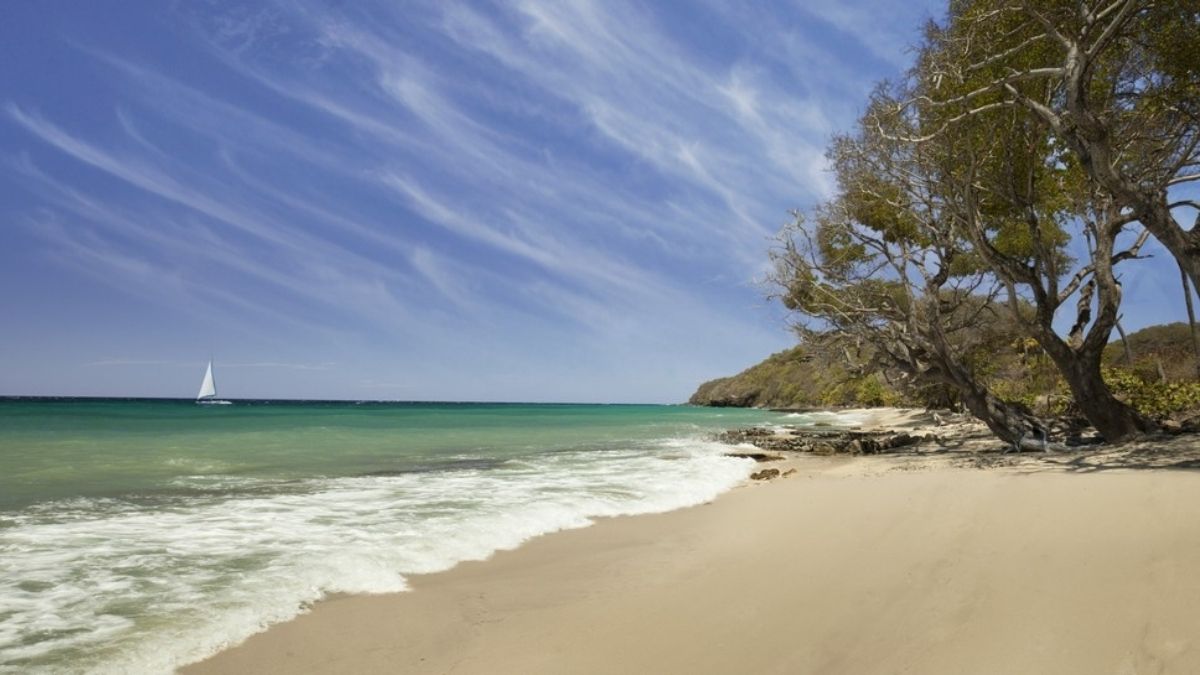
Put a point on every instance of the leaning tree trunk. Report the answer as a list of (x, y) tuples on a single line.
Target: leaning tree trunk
[(932, 363), (1079, 359), (1009, 422), (1079, 364), (1113, 418)]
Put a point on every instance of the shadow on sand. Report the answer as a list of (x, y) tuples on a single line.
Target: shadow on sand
[(1179, 452)]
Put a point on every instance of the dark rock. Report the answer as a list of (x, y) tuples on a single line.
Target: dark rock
[(765, 474), (756, 456), (823, 448), (746, 435), (870, 446), (741, 400), (818, 441)]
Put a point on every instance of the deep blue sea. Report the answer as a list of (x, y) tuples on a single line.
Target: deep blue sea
[(140, 535)]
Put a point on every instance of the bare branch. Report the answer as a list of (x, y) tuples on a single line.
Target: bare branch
[(1051, 29), (995, 58), (1184, 202), (1179, 180), (1124, 11)]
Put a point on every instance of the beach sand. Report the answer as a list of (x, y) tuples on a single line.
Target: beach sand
[(891, 564)]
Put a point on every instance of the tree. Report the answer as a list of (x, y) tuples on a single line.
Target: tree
[(1019, 124), (1016, 198), (1117, 82), (984, 203), (882, 267)]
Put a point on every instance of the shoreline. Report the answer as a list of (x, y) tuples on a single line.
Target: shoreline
[(889, 563)]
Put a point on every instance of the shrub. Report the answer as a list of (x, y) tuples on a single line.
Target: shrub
[(1156, 399)]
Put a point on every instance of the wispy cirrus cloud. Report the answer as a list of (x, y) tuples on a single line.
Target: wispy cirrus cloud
[(478, 194), (313, 268)]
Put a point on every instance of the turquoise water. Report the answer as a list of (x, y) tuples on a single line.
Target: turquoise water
[(138, 535)]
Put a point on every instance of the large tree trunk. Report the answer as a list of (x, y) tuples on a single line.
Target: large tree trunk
[(1079, 362), (1079, 365), (931, 362), (1114, 419), (1008, 422)]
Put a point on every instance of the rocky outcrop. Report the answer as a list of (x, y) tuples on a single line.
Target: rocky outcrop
[(756, 456), (822, 442), (723, 394), (788, 379)]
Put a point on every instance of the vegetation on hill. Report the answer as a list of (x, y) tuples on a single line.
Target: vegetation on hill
[(1161, 381), (793, 378), (1160, 353)]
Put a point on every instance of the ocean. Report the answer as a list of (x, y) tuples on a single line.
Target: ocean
[(140, 535)]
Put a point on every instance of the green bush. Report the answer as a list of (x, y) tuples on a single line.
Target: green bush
[(1156, 399)]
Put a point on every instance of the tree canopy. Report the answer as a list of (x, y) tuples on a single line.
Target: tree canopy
[(1028, 153)]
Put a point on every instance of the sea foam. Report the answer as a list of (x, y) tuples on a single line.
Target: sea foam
[(145, 585)]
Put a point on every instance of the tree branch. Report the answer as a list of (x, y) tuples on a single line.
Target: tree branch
[(1110, 32)]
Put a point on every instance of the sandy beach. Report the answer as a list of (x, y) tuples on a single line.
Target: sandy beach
[(930, 562)]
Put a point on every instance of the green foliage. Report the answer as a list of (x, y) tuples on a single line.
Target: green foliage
[(836, 246), (1012, 366), (1156, 399), (801, 377), (872, 391), (865, 391), (910, 261), (874, 203), (1161, 381)]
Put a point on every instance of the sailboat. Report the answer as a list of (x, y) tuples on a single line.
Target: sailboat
[(208, 389)]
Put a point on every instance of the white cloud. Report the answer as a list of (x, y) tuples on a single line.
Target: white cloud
[(526, 178)]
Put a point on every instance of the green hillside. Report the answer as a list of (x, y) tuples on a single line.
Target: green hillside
[(1161, 378), (1159, 352), (799, 377)]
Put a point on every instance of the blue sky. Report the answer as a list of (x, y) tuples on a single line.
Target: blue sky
[(567, 200)]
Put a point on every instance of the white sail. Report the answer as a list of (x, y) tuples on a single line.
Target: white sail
[(208, 388)]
